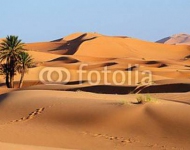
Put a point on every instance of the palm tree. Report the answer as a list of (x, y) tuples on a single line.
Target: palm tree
[(25, 61), (4, 70), (10, 49)]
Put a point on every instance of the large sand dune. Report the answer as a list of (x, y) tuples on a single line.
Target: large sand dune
[(90, 121), (177, 39), (117, 53), (100, 116), (95, 45)]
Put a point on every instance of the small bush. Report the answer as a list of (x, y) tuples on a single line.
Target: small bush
[(140, 99), (144, 98)]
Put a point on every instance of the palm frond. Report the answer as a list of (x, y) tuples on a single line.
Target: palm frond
[(10, 48), (25, 62)]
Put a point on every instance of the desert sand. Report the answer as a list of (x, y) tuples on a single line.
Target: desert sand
[(101, 116)]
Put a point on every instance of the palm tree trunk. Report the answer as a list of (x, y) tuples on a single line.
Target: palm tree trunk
[(12, 72), (21, 80), (7, 80), (11, 80)]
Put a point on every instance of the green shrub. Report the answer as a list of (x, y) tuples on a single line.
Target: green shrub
[(145, 98)]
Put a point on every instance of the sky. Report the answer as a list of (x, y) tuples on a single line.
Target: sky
[(45, 20)]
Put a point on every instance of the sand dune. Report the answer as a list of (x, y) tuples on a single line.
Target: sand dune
[(102, 116), (95, 122), (66, 45), (128, 47), (177, 39), (51, 47), (77, 35), (95, 45), (116, 53)]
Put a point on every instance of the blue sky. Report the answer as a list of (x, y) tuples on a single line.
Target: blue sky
[(44, 20)]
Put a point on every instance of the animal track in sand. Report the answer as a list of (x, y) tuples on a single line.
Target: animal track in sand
[(30, 116), (121, 140), (124, 141)]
